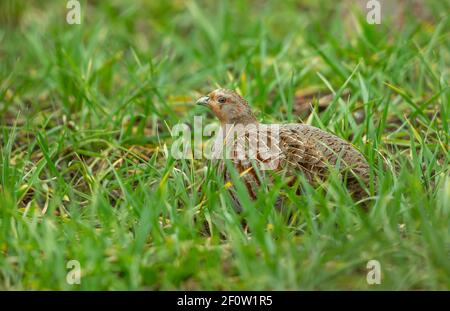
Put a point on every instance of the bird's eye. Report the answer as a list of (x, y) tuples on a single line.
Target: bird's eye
[(221, 100)]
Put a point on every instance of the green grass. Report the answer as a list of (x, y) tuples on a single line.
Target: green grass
[(86, 112)]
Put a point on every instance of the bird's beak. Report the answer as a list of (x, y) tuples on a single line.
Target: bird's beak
[(204, 101)]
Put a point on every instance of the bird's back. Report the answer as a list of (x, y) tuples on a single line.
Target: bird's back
[(314, 151), (304, 150)]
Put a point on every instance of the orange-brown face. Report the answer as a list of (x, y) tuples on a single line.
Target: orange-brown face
[(228, 106)]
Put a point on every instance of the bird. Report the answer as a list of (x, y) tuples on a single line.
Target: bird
[(301, 150)]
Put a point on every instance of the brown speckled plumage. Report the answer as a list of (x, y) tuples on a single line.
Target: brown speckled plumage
[(302, 149), (313, 151)]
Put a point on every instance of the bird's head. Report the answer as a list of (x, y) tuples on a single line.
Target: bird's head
[(228, 106)]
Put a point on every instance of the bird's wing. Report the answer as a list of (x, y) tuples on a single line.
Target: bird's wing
[(313, 150), (301, 153)]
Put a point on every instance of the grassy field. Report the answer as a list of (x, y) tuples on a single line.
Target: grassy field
[(86, 173)]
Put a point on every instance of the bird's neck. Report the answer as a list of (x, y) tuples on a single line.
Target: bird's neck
[(242, 120)]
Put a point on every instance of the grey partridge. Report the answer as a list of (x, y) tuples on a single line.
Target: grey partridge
[(302, 149)]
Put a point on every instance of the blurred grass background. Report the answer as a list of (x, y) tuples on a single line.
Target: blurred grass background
[(86, 112)]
